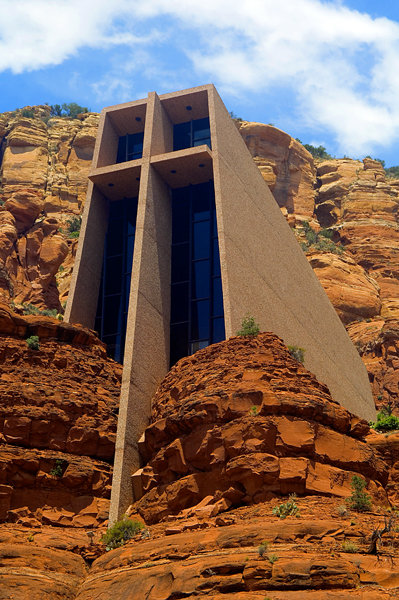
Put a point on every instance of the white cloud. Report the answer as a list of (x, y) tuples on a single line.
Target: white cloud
[(341, 65)]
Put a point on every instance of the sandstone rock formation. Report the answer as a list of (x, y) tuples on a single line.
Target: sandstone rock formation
[(44, 162), (234, 428), (286, 166), (58, 415), (242, 421), (377, 342), (353, 293), (216, 558), (221, 560)]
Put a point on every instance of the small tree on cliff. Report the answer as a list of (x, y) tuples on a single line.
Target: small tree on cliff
[(33, 342), (359, 500), (249, 327), (121, 532)]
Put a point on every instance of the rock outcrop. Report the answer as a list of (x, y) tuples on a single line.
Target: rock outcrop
[(58, 414), (353, 293), (242, 421), (365, 207), (44, 162), (286, 166), (235, 427), (218, 558)]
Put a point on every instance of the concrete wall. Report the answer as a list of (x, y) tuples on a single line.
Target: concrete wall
[(86, 278), (266, 274), (162, 129), (108, 148)]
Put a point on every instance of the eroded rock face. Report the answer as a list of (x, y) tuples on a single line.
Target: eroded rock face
[(216, 558), (388, 447), (58, 416), (364, 206), (286, 166), (240, 422), (354, 294), (377, 342), (44, 163), (44, 563)]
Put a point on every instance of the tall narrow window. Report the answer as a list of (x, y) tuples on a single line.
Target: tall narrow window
[(113, 300), (197, 317), (130, 147), (192, 133)]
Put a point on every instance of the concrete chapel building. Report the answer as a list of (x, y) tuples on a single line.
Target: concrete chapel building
[(181, 238)]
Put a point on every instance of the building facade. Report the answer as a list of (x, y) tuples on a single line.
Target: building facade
[(180, 239)]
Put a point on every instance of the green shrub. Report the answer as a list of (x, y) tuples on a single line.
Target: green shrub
[(319, 241), (386, 421), (67, 110), (31, 309), (121, 532), (33, 342), (297, 353), (317, 151), (327, 233), (392, 172), (272, 558), (359, 499), (263, 548), (73, 227), (249, 328), (350, 547), (253, 411), (287, 509), (59, 468), (26, 112)]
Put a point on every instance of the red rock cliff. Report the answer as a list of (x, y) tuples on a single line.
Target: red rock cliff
[(58, 414)]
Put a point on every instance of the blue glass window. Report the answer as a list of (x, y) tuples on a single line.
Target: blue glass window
[(197, 317), (113, 300), (130, 147), (192, 133)]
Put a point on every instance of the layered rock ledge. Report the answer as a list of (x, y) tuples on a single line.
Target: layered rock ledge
[(241, 422), (58, 414)]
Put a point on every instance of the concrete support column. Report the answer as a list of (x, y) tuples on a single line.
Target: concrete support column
[(146, 359), (85, 284)]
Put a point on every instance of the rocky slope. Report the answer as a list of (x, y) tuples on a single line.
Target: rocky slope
[(242, 421), (210, 530), (58, 416)]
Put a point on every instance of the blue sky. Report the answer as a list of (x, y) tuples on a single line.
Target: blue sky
[(326, 72)]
